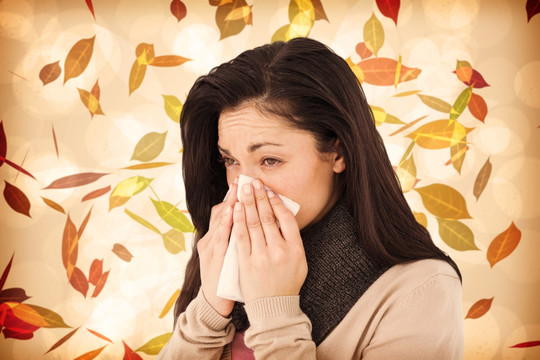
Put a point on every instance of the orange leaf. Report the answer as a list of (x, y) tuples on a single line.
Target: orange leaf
[(27, 314), (96, 193), (78, 58), (75, 180), (96, 270), (16, 199), (169, 304), (178, 9), (145, 53), (479, 308), (91, 354), (478, 107), (101, 283), (169, 60), (99, 335), (122, 252), (503, 244), (129, 354), (50, 72), (78, 281), (70, 247), (54, 205), (136, 76), (62, 340), (95, 90), (83, 225), (382, 71), (363, 50)]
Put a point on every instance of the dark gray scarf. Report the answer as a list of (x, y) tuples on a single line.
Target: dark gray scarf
[(339, 272)]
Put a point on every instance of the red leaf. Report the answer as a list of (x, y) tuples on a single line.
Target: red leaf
[(178, 9), (99, 335), (96, 270), (363, 50), (78, 281), (96, 193), (95, 90), (16, 199), (130, 354), (13, 295), (3, 143), (389, 8), (70, 246), (22, 334), (75, 180), (478, 107), (15, 327), (91, 8), (503, 244), (91, 354), (526, 344), (15, 166), (83, 225), (479, 308), (533, 8), (6, 273), (101, 283), (55, 143), (62, 340), (477, 81)]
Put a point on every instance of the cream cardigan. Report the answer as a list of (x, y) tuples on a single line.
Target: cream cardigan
[(413, 311)]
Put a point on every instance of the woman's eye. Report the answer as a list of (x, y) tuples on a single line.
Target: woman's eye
[(228, 161), (271, 162)]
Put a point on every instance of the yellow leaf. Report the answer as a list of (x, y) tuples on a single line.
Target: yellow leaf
[(173, 216), (398, 72), (456, 234), (91, 102), (406, 173), (373, 34), (281, 34), (53, 319), (239, 13), (356, 70), (141, 221), (457, 153), (149, 146), (154, 346), (173, 107), (27, 314), (136, 76), (54, 205), (379, 115), (301, 25), (439, 134), (435, 103), (126, 189), (301, 6), (78, 58), (444, 201), (421, 218), (169, 304), (174, 241), (145, 53)]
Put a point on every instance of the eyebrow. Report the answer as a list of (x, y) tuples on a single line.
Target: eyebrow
[(251, 148)]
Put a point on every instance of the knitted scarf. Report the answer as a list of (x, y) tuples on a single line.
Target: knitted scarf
[(339, 272)]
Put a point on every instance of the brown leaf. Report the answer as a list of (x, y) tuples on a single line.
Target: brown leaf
[(55, 143), (70, 246), (75, 180), (503, 244), (13, 295), (53, 204), (129, 354), (482, 179), (169, 60), (96, 270), (91, 354), (6, 273), (96, 193), (101, 283), (99, 335), (78, 281), (78, 58), (50, 72), (16, 199), (532, 7), (122, 252), (319, 10), (62, 340), (83, 225), (233, 27), (479, 308), (178, 9)]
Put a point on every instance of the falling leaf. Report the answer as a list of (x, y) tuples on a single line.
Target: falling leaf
[(173, 216), (457, 153), (129, 354), (439, 134), (62, 340), (141, 221), (5, 273), (363, 50), (461, 103), (78, 58), (154, 346), (78, 281), (55, 143), (526, 344), (91, 8), (405, 127), (479, 308), (83, 224), (174, 241), (381, 116), (53, 319), (178, 9), (406, 173), (136, 76), (407, 93), (147, 165), (356, 70), (13, 295), (239, 13), (382, 71), (444, 201), (91, 102), (149, 146), (54, 205), (122, 252), (503, 244), (101, 283), (3, 143), (96, 270), (320, 14), (389, 8), (169, 304), (91, 354), (229, 28), (75, 180), (478, 107), (456, 234), (50, 72), (373, 34), (169, 60), (469, 76), (482, 179), (27, 314), (436, 103), (281, 34), (16, 199), (70, 247), (533, 8), (421, 218), (126, 189), (173, 107), (145, 53), (101, 336), (96, 193), (13, 326)]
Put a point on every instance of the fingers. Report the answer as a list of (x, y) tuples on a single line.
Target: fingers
[(266, 214), (252, 220), (286, 219)]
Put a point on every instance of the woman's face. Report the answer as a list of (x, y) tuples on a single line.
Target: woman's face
[(283, 158)]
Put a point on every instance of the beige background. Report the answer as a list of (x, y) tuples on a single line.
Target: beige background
[(494, 36)]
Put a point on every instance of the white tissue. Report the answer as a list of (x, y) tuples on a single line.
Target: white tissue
[(229, 281)]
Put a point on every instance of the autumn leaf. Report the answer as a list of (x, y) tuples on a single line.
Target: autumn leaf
[(126, 189), (54, 205), (101, 283), (27, 314), (78, 281), (55, 143), (407, 93), (178, 9), (75, 180), (96, 270), (421, 218), (3, 143), (435, 103), (469, 76), (439, 134), (91, 100), (83, 224), (389, 8), (13, 295), (479, 308), (99, 335), (482, 179), (174, 241), (16, 199), (78, 58), (382, 71), (503, 244), (173, 107), (373, 34), (456, 234), (62, 340), (96, 193), (147, 165), (5, 273), (70, 246), (129, 354), (142, 221), (281, 34), (457, 154), (122, 252), (443, 201), (243, 12), (173, 216), (478, 107), (526, 344), (356, 70), (320, 14), (13, 326), (149, 146), (145, 53), (136, 76), (91, 354), (169, 304), (233, 27), (169, 60), (363, 50), (50, 72), (406, 173), (154, 345), (532, 7), (52, 318), (91, 8), (408, 125)]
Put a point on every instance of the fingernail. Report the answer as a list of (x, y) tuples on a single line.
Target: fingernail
[(247, 189), (270, 194), (237, 206), (236, 180), (227, 195), (257, 184)]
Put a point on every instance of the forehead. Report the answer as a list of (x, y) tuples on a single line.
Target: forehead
[(248, 117)]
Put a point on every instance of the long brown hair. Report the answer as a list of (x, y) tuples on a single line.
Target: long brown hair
[(314, 89)]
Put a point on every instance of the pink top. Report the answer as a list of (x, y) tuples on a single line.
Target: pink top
[(239, 350)]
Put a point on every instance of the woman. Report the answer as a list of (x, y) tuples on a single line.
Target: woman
[(353, 275)]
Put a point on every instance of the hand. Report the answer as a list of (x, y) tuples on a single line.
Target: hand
[(272, 261), (212, 248)]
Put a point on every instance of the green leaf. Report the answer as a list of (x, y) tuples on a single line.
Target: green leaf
[(373, 34), (126, 189), (149, 146), (461, 103), (173, 107), (456, 234), (141, 221), (173, 216), (174, 241), (435, 103), (154, 346)]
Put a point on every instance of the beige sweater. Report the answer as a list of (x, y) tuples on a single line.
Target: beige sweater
[(413, 311)]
